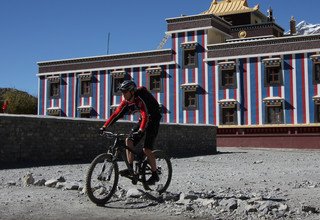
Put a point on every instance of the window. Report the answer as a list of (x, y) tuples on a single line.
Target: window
[(272, 73), (274, 110), (190, 55), (85, 84), (116, 84), (228, 78), (274, 114), (272, 76), (190, 100), (189, 58), (54, 111), (85, 115), (154, 75), (85, 88), (117, 78), (85, 111), (228, 110), (316, 108), (317, 113), (316, 73), (54, 86), (229, 116), (190, 96), (155, 83), (54, 90)]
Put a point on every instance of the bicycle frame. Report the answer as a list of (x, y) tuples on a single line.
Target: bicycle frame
[(119, 148)]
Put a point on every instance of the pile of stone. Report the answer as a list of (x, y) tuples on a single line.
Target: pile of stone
[(220, 204), (224, 204), (59, 183)]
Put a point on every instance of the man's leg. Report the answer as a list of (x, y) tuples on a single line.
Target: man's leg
[(130, 158), (151, 134), (130, 155), (151, 159)]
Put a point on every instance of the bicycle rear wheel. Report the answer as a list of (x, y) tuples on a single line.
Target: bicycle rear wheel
[(102, 179), (164, 169)]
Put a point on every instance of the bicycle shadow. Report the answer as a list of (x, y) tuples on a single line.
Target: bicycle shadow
[(135, 203)]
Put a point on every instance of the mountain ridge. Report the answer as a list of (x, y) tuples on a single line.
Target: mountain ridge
[(305, 28)]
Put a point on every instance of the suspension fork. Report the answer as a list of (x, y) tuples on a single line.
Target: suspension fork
[(107, 175)]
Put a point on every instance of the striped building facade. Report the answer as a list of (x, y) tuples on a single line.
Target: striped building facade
[(232, 76)]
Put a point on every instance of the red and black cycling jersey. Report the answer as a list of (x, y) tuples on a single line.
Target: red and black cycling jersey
[(143, 102)]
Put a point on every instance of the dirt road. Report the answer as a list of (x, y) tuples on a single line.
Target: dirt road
[(234, 184)]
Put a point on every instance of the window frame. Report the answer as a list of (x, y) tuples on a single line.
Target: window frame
[(190, 88), (54, 112), (54, 93), (154, 73), (117, 75), (269, 65), (115, 88), (316, 100), (187, 49), (85, 78), (268, 75), (188, 93), (229, 69), (317, 113), (54, 81), (83, 110), (85, 115), (223, 110), (232, 75), (316, 73), (226, 105), (274, 104), (83, 92)]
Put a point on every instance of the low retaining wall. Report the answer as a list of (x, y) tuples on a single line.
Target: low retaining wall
[(36, 139)]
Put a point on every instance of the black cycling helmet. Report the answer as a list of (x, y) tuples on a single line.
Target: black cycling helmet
[(127, 85)]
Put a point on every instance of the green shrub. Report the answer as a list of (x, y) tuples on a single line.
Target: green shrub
[(19, 102)]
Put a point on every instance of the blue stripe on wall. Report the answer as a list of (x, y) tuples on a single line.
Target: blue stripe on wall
[(201, 73), (210, 93), (170, 72), (253, 90), (311, 89), (180, 72), (241, 86), (299, 87), (263, 90), (287, 88)]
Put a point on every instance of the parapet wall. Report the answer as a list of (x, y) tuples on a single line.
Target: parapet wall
[(37, 139)]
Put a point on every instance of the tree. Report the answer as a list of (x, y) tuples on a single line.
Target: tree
[(20, 102)]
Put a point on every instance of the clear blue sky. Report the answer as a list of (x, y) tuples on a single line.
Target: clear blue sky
[(42, 30)]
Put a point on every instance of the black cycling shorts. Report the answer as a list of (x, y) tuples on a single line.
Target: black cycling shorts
[(150, 134)]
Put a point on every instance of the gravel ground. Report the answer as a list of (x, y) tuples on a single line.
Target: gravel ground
[(237, 183)]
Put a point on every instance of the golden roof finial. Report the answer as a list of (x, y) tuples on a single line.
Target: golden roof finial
[(226, 7)]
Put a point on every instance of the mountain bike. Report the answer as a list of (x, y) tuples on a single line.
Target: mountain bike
[(103, 173)]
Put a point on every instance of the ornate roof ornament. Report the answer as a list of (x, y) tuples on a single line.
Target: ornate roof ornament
[(228, 7)]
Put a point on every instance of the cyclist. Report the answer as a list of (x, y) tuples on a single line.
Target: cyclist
[(139, 100)]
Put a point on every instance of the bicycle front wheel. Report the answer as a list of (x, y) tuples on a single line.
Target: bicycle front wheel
[(164, 170), (102, 179)]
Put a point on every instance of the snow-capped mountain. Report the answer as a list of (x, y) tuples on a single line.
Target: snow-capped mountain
[(304, 28)]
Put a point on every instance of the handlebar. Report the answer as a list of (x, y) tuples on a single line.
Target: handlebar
[(111, 135)]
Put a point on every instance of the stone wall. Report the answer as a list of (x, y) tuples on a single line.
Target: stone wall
[(38, 139)]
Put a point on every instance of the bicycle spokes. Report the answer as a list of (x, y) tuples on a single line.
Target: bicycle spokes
[(102, 179)]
